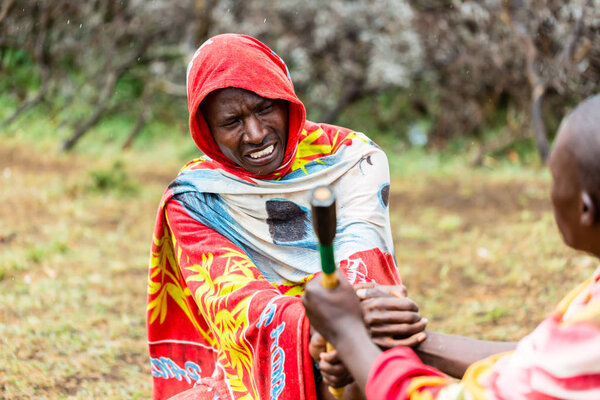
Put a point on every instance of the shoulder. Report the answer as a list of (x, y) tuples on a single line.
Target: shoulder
[(199, 163), (335, 132), (329, 129), (582, 303), (338, 137)]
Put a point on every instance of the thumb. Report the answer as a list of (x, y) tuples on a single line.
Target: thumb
[(368, 293), (318, 338)]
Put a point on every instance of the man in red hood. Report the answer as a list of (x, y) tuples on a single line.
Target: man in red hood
[(233, 245)]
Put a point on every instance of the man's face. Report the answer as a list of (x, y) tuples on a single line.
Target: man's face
[(249, 129)]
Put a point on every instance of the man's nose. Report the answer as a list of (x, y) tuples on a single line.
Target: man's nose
[(254, 130)]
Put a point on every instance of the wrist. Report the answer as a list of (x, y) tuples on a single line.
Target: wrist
[(357, 352), (350, 334), (355, 341)]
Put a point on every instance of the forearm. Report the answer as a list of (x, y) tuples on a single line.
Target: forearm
[(454, 354), (358, 354)]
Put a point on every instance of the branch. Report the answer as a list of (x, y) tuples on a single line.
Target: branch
[(565, 60), (5, 9), (569, 49), (142, 118), (26, 105), (40, 58), (107, 91), (538, 86), (170, 88), (139, 125)]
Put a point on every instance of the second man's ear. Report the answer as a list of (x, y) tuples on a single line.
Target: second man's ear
[(589, 210)]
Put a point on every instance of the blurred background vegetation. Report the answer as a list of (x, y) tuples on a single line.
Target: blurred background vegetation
[(464, 96), (423, 73)]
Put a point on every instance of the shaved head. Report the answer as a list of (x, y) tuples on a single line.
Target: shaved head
[(575, 167), (579, 133)]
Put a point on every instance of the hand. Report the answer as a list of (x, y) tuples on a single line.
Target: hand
[(332, 369), (336, 313), (392, 318), (317, 345), (394, 290)]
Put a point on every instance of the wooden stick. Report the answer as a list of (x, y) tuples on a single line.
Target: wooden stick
[(324, 223)]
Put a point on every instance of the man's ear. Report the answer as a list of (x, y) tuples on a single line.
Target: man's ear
[(589, 210)]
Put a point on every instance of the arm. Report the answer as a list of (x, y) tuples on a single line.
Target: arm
[(454, 354), (393, 320), (382, 375), (346, 332)]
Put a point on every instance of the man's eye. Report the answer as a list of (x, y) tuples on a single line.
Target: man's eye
[(230, 123), (266, 109)]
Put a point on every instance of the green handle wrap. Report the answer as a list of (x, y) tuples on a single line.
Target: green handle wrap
[(327, 260), (322, 202)]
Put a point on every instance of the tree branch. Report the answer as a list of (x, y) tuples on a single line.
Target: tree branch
[(538, 86), (107, 91), (5, 9)]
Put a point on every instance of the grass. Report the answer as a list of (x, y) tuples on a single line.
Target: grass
[(480, 253), (477, 249), (73, 268)]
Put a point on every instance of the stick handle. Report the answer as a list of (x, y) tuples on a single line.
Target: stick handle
[(338, 393), (329, 281), (324, 223)]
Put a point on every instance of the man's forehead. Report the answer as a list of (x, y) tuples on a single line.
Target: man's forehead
[(233, 93), (228, 100)]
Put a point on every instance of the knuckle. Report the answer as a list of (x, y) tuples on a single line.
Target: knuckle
[(377, 303), (369, 304), (369, 319)]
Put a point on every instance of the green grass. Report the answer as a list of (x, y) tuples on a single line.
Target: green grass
[(477, 249)]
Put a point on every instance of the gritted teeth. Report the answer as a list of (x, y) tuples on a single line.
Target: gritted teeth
[(262, 153)]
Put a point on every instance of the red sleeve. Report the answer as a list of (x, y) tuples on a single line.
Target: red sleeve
[(393, 373)]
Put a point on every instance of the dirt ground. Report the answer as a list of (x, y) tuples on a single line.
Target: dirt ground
[(478, 251)]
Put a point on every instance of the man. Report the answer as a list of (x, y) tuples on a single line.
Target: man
[(233, 245), (559, 359)]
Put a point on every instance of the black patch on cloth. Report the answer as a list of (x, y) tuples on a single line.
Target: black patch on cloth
[(287, 221), (385, 194)]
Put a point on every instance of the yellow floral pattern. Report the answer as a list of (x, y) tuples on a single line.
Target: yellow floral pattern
[(228, 324), (164, 281), (316, 144)]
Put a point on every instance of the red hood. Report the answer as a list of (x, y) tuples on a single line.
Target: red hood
[(240, 61)]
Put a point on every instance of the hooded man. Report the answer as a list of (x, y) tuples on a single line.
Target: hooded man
[(233, 244)]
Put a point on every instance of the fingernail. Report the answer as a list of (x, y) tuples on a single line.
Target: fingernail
[(361, 292), (425, 320), (421, 337)]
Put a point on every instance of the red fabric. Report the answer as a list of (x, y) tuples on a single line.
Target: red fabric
[(263, 73), (185, 347), (392, 373), (371, 266), (187, 337)]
